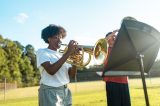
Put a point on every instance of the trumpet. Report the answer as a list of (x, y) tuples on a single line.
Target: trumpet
[(99, 52)]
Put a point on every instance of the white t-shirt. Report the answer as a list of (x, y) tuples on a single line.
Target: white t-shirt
[(61, 77)]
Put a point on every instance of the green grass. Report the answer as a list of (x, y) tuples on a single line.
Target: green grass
[(87, 94)]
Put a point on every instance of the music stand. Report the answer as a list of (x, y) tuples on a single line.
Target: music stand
[(134, 51)]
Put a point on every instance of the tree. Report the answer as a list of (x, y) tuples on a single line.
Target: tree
[(12, 55), (27, 72), (3, 68), (19, 45), (30, 53), (18, 64)]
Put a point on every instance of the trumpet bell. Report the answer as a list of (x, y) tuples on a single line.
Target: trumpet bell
[(100, 51)]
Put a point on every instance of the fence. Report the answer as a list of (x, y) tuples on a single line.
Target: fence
[(4, 86)]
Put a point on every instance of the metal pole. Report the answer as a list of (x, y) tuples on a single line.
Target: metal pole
[(140, 58), (5, 89)]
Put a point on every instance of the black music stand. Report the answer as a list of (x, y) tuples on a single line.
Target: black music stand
[(134, 52)]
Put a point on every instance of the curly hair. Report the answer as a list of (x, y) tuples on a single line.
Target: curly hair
[(52, 30)]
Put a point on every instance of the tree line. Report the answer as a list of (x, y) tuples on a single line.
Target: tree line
[(18, 63)]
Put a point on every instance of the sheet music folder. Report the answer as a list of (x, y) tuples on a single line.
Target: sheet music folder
[(133, 38)]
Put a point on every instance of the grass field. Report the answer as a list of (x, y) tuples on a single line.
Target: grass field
[(86, 94)]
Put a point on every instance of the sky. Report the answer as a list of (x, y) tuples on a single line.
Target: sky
[(86, 21)]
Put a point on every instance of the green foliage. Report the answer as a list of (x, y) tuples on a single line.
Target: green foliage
[(21, 47), (2, 57), (16, 67), (30, 53), (13, 55), (26, 71)]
